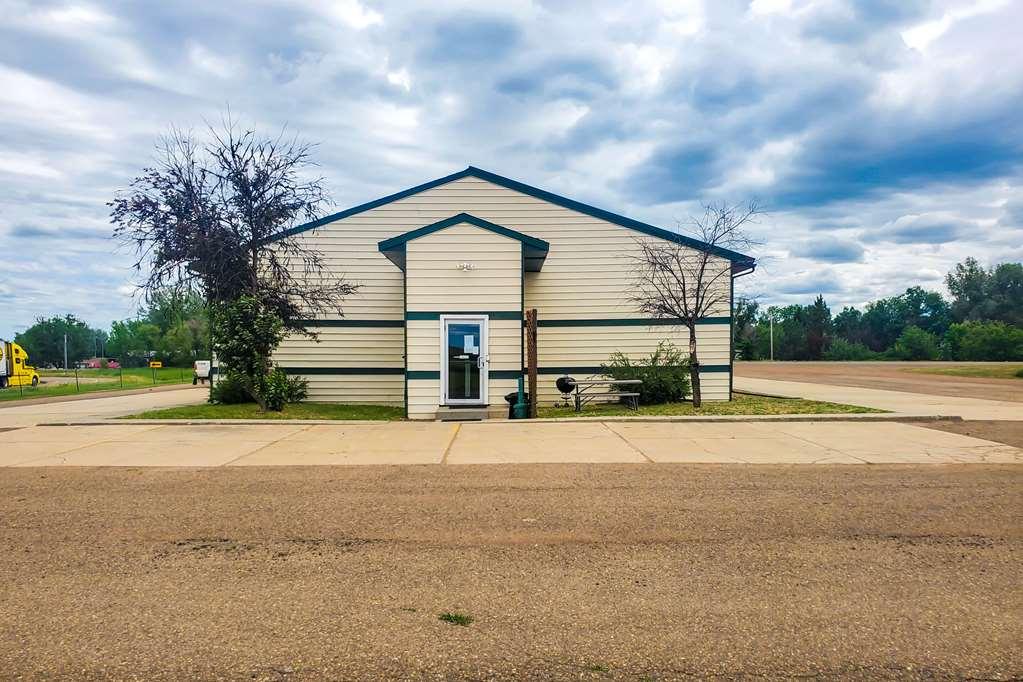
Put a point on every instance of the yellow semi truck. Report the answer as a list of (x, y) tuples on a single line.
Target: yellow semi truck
[(14, 367)]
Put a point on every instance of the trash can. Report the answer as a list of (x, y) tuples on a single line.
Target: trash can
[(511, 399)]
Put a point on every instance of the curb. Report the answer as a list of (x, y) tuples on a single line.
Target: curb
[(891, 417)]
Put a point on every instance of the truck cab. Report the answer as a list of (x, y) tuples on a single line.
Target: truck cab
[(14, 367)]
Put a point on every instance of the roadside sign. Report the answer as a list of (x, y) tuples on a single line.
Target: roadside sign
[(156, 364), (202, 369)]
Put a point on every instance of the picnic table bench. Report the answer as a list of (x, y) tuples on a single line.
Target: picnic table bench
[(587, 390)]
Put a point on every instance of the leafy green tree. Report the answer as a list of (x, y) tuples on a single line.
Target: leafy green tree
[(926, 310), (818, 328), (848, 325), (916, 344), (882, 323), (979, 294), (133, 341), (248, 331), (744, 329), (972, 340), (967, 284), (44, 340)]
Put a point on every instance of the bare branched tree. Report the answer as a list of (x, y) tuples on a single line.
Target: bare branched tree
[(686, 282), (213, 216)]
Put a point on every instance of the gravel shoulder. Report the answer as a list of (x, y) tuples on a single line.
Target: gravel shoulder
[(569, 571), (1008, 432), (889, 376)]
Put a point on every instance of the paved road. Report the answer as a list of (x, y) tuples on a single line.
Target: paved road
[(100, 407), (590, 572), (893, 401), (776, 442)]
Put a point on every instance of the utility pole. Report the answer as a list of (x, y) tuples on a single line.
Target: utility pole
[(65, 352), (771, 318)]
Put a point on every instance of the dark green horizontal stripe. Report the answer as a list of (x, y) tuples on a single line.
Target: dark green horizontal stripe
[(433, 374), (422, 374), (351, 371), (625, 322), (352, 323), (597, 370), (505, 374), (494, 374), (511, 315), (492, 314)]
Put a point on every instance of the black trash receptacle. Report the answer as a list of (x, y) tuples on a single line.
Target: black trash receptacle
[(512, 398)]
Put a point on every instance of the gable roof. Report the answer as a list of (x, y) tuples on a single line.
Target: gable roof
[(534, 250), (739, 261)]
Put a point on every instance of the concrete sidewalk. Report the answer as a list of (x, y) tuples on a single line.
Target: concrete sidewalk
[(143, 445), (91, 406), (893, 401)]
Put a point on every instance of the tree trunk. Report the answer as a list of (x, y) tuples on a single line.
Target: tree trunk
[(694, 367)]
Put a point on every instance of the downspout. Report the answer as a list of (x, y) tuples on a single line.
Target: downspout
[(731, 323)]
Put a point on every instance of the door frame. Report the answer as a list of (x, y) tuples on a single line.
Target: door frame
[(484, 322)]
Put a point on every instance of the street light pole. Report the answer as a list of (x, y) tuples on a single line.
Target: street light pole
[(65, 352), (771, 318)]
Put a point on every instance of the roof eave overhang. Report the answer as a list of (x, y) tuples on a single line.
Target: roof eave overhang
[(534, 250), (538, 193)]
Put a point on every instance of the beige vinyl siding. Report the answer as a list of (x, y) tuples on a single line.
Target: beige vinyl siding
[(367, 389), (422, 398), (347, 349), (437, 284), (586, 274), (591, 346)]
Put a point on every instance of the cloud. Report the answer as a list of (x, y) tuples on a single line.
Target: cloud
[(855, 123), (925, 229), (811, 283), (467, 39), (831, 250)]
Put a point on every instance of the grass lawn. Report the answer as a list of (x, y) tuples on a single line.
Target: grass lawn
[(1008, 370), (294, 411), (741, 403), (91, 380)]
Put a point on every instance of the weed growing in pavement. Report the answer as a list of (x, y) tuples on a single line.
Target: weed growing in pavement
[(456, 618)]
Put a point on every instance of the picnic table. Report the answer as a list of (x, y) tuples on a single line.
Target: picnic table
[(587, 390)]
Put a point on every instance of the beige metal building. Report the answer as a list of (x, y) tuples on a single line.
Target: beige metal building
[(447, 270)]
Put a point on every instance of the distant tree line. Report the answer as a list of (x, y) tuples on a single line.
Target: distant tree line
[(983, 320), (44, 341), (171, 327)]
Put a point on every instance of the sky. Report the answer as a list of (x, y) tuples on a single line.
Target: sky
[(885, 139)]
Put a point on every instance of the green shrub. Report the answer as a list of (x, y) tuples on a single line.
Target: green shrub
[(995, 341), (915, 343), (229, 389), (279, 389), (848, 350), (1019, 372), (665, 374)]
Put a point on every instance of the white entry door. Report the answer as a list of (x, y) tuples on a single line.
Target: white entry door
[(464, 359)]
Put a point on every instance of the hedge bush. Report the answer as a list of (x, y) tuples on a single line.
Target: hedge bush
[(665, 374)]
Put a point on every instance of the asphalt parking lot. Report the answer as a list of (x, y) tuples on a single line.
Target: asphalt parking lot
[(569, 571)]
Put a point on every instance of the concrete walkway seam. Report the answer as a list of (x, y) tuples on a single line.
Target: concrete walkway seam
[(628, 443), (263, 447), (451, 441)]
